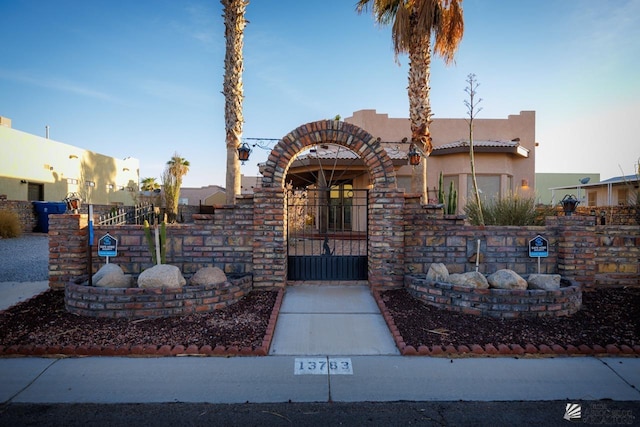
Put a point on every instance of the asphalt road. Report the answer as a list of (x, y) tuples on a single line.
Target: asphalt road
[(548, 413)]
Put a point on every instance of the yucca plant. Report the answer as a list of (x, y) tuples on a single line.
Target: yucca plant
[(510, 210)]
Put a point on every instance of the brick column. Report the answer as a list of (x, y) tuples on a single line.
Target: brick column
[(576, 249), (386, 238), (269, 239), (68, 245)]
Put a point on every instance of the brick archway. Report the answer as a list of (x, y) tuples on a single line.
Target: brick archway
[(334, 132), (386, 205)]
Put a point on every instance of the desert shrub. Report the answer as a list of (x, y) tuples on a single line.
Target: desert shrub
[(9, 224), (510, 210)]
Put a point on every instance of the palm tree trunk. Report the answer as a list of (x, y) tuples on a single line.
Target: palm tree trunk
[(234, 22), (420, 110)]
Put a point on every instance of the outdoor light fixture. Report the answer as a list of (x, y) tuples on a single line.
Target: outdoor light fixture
[(413, 155), (243, 152), (603, 216), (525, 183), (569, 204)]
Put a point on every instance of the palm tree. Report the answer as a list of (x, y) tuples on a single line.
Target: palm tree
[(414, 22), (177, 167), (234, 23), (149, 184)]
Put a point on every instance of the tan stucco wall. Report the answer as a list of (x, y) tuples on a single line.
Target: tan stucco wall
[(33, 159), (445, 131)]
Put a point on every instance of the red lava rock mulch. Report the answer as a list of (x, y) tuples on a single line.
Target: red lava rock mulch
[(608, 323)]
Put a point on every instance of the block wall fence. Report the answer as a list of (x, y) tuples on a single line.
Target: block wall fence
[(405, 237)]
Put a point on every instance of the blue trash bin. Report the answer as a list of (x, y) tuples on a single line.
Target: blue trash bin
[(43, 210)]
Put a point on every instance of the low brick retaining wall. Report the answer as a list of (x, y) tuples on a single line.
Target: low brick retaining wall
[(135, 303), (497, 303)]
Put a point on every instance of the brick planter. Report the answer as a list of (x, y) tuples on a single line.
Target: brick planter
[(135, 303), (497, 303)]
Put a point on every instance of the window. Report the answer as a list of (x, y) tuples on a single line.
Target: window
[(592, 198), (35, 192), (623, 196), (488, 185)]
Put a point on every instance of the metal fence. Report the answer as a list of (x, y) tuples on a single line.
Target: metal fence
[(130, 215)]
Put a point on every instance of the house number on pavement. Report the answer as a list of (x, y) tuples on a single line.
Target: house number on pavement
[(323, 366)]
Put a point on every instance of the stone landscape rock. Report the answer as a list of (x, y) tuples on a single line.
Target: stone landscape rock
[(546, 282), (208, 276), (506, 279), (472, 279), (111, 276), (161, 276), (438, 272)]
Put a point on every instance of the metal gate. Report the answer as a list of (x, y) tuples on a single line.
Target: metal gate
[(327, 233)]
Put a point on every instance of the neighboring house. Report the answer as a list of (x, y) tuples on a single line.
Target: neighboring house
[(207, 196), (37, 168), (504, 156), (616, 191), (572, 182)]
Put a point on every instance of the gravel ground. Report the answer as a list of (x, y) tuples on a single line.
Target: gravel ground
[(31, 265)]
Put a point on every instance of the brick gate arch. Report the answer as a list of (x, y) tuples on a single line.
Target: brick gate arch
[(386, 204), (335, 132)]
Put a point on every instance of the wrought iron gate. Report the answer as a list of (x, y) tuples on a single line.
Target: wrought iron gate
[(327, 233)]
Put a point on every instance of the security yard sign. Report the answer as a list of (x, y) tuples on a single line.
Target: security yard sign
[(538, 247), (107, 246)]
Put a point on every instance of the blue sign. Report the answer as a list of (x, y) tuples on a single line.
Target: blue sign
[(107, 246), (538, 247)]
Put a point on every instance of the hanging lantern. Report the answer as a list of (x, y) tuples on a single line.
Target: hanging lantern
[(243, 152), (414, 155)]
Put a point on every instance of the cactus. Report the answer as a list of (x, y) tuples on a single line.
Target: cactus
[(452, 200), (151, 242), (451, 205)]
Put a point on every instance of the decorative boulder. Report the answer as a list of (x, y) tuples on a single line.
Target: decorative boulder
[(161, 276), (472, 279), (208, 276), (438, 272), (506, 279), (111, 276), (546, 282)]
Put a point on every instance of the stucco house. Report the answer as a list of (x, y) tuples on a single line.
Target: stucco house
[(616, 191), (35, 168), (504, 156)]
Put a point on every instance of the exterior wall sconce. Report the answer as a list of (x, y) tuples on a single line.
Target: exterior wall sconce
[(569, 204), (413, 155), (603, 218), (243, 152), (525, 183)]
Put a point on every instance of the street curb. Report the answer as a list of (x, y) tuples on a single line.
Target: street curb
[(489, 350)]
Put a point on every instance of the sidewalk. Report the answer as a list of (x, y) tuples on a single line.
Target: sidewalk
[(274, 379), (330, 345)]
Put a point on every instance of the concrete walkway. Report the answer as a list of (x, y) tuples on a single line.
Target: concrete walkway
[(330, 346), (331, 320)]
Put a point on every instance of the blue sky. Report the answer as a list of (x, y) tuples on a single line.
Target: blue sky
[(144, 78)]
